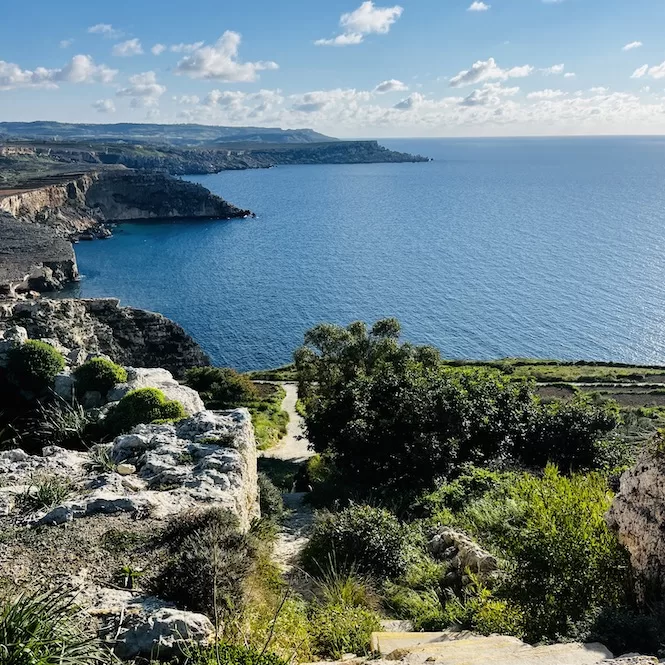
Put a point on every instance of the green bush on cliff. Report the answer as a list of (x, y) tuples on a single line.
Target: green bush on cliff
[(99, 374), (143, 405), (221, 385), (34, 365), (270, 498)]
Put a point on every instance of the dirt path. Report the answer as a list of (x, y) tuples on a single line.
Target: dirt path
[(295, 526)]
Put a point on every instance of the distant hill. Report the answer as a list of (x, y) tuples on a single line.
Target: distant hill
[(182, 135)]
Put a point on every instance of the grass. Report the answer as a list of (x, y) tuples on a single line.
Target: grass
[(45, 492), (284, 373), (44, 628), (267, 416)]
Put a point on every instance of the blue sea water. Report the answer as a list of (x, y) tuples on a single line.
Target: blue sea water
[(500, 247)]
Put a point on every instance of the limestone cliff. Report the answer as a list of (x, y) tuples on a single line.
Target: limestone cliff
[(80, 202), (638, 516), (129, 336), (33, 257)]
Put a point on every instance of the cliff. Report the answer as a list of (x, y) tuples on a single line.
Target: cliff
[(128, 336), (33, 257), (71, 204)]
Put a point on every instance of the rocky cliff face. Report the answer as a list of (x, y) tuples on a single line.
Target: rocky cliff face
[(33, 257), (129, 336), (75, 204), (638, 516)]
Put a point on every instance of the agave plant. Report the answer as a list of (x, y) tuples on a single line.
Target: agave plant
[(45, 628)]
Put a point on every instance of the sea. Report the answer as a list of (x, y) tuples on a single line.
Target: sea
[(533, 247)]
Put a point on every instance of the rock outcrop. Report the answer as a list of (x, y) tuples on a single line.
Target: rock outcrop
[(33, 257), (637, 515), (129, 336), (161, 470)]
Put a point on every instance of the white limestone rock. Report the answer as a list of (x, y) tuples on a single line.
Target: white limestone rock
[(162, 379), (145, 627)]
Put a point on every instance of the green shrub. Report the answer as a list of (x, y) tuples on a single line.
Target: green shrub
[(60, 423), (44, 628), (423, 608), (372, 540), (221, 385), (229, 654), (144, 405), (210, 562), (341, 629), (99, 374), (34, 365), (562, 560), (270, 498)]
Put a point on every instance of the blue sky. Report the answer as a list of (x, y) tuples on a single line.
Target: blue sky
[(344, 67)]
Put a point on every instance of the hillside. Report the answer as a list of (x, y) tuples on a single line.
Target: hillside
[(185, 134)]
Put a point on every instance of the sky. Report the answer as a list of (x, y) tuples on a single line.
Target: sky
[(348, 68)]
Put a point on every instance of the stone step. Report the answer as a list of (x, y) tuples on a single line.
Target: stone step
[(450, 648)]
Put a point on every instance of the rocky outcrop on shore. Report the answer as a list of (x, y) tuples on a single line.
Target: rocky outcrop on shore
[(85, 327), (637, 515)]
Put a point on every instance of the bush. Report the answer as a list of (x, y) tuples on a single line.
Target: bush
[(144, 405), (209, 564), (221, 385), (423, 608), (228, 654), (99, 374), (60, 423), (270, 498), (34, 365), (562, 560), (341, 629), (371, 540), (44, 628), (45, 492)]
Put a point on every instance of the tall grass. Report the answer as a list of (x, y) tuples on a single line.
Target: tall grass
[(45, 628)]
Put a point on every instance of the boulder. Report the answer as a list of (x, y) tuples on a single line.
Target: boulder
[(164, 381), (462, 552), (64, 386), (137, 626)]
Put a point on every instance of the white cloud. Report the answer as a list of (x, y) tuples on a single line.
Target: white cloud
[(478, 6), (486, 70), (554, 69), (319, 100), (412, 101), (366, 20), (490, 94), (220, 62), (104, 106), (80, 69), (631, 46), (66, 43), (187, 99), (128, 48), (158, 49), (569, 75), (599, 90), (185, 48), (143, 89), (105, 29), (391, 85), (548, 93), (640, 72), (657, 71)]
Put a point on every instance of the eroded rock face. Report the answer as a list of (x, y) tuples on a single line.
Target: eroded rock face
[(637, 515), (128, 336), (209, 459)]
